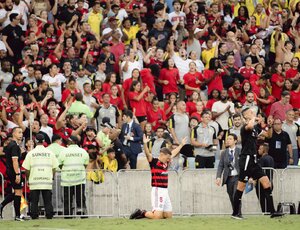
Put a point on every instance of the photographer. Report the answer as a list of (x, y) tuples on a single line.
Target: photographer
[(204, 139), (229, 166)]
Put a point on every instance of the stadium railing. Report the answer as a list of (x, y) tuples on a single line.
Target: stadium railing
[(192, 192), (290, 185)]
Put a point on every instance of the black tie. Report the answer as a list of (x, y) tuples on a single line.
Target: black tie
[(127, 129), (231, 156)]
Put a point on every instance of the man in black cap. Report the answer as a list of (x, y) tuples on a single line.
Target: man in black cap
[(108, 57), (40, 164)]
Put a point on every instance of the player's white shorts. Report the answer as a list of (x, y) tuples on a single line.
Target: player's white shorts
[(160, 200)]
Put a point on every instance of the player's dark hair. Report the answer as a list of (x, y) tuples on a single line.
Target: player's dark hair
[(165, 151), (245, 110), (15, 128)]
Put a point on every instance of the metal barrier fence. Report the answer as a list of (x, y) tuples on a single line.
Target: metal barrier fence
[(134, 189), (290, 185), (192, 192), (200, 195)]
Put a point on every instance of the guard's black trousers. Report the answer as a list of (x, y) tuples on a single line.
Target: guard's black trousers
[(34, 203)]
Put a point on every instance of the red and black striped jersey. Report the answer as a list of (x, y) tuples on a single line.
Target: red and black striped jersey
[(50, 43), (159, 173)]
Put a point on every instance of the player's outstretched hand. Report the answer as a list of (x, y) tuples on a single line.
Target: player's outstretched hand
[(184, 140), (146, 139)]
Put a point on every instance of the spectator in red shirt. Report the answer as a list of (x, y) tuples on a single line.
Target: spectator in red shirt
[(277, 80), (247, 70), (293, 72), (245, 89), (199, 110), (137, 102), (156, 116), (265, 100), (213, 75), (62, 130), (213, 97), (191, 105), (115, 99), (295, 95), (110, 80), (135, 76), (258, 72), (288, 83), (169, 104), (68, 94), (193, 80), (169, 78), (279, 108), (235, 91)]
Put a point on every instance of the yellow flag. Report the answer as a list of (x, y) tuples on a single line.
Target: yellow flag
[(23, 203)]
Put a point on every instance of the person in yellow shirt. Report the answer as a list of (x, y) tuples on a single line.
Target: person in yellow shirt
[(208, 53), (94, 18), (109, 161), (260, 15), (129, 31)]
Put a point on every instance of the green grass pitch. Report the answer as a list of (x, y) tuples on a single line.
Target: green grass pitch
[(289, 222)]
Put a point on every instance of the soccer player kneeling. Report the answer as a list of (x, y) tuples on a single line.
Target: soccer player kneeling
[(161, 203)]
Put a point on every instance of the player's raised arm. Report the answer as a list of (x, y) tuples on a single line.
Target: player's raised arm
[(250, 124), (146, 149), (177, 150)]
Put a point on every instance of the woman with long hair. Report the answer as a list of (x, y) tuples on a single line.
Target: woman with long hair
[(265, 100), (246, 87), (111, 80), (293, 72), (277, 80), (213, 75), (155, 115), (135, 76), (287, 86), (295, 94), (258, 72), (193, 80), (212, 98), (242, 17), (137, 102), (169, 78), (169, 104), (98, 92), (191, 104)]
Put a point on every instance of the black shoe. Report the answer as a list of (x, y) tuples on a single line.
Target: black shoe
[(237, 217), (142, 215), (18, 218), (276, 214), (1, 210), (135, 214)]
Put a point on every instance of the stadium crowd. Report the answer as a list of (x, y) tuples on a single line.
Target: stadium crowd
[(100, 74)]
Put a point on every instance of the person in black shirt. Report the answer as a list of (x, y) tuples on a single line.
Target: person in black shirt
[(19, 88), (13, 171), (265, 161), (248, 164), (13, 38), (279, 143)]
